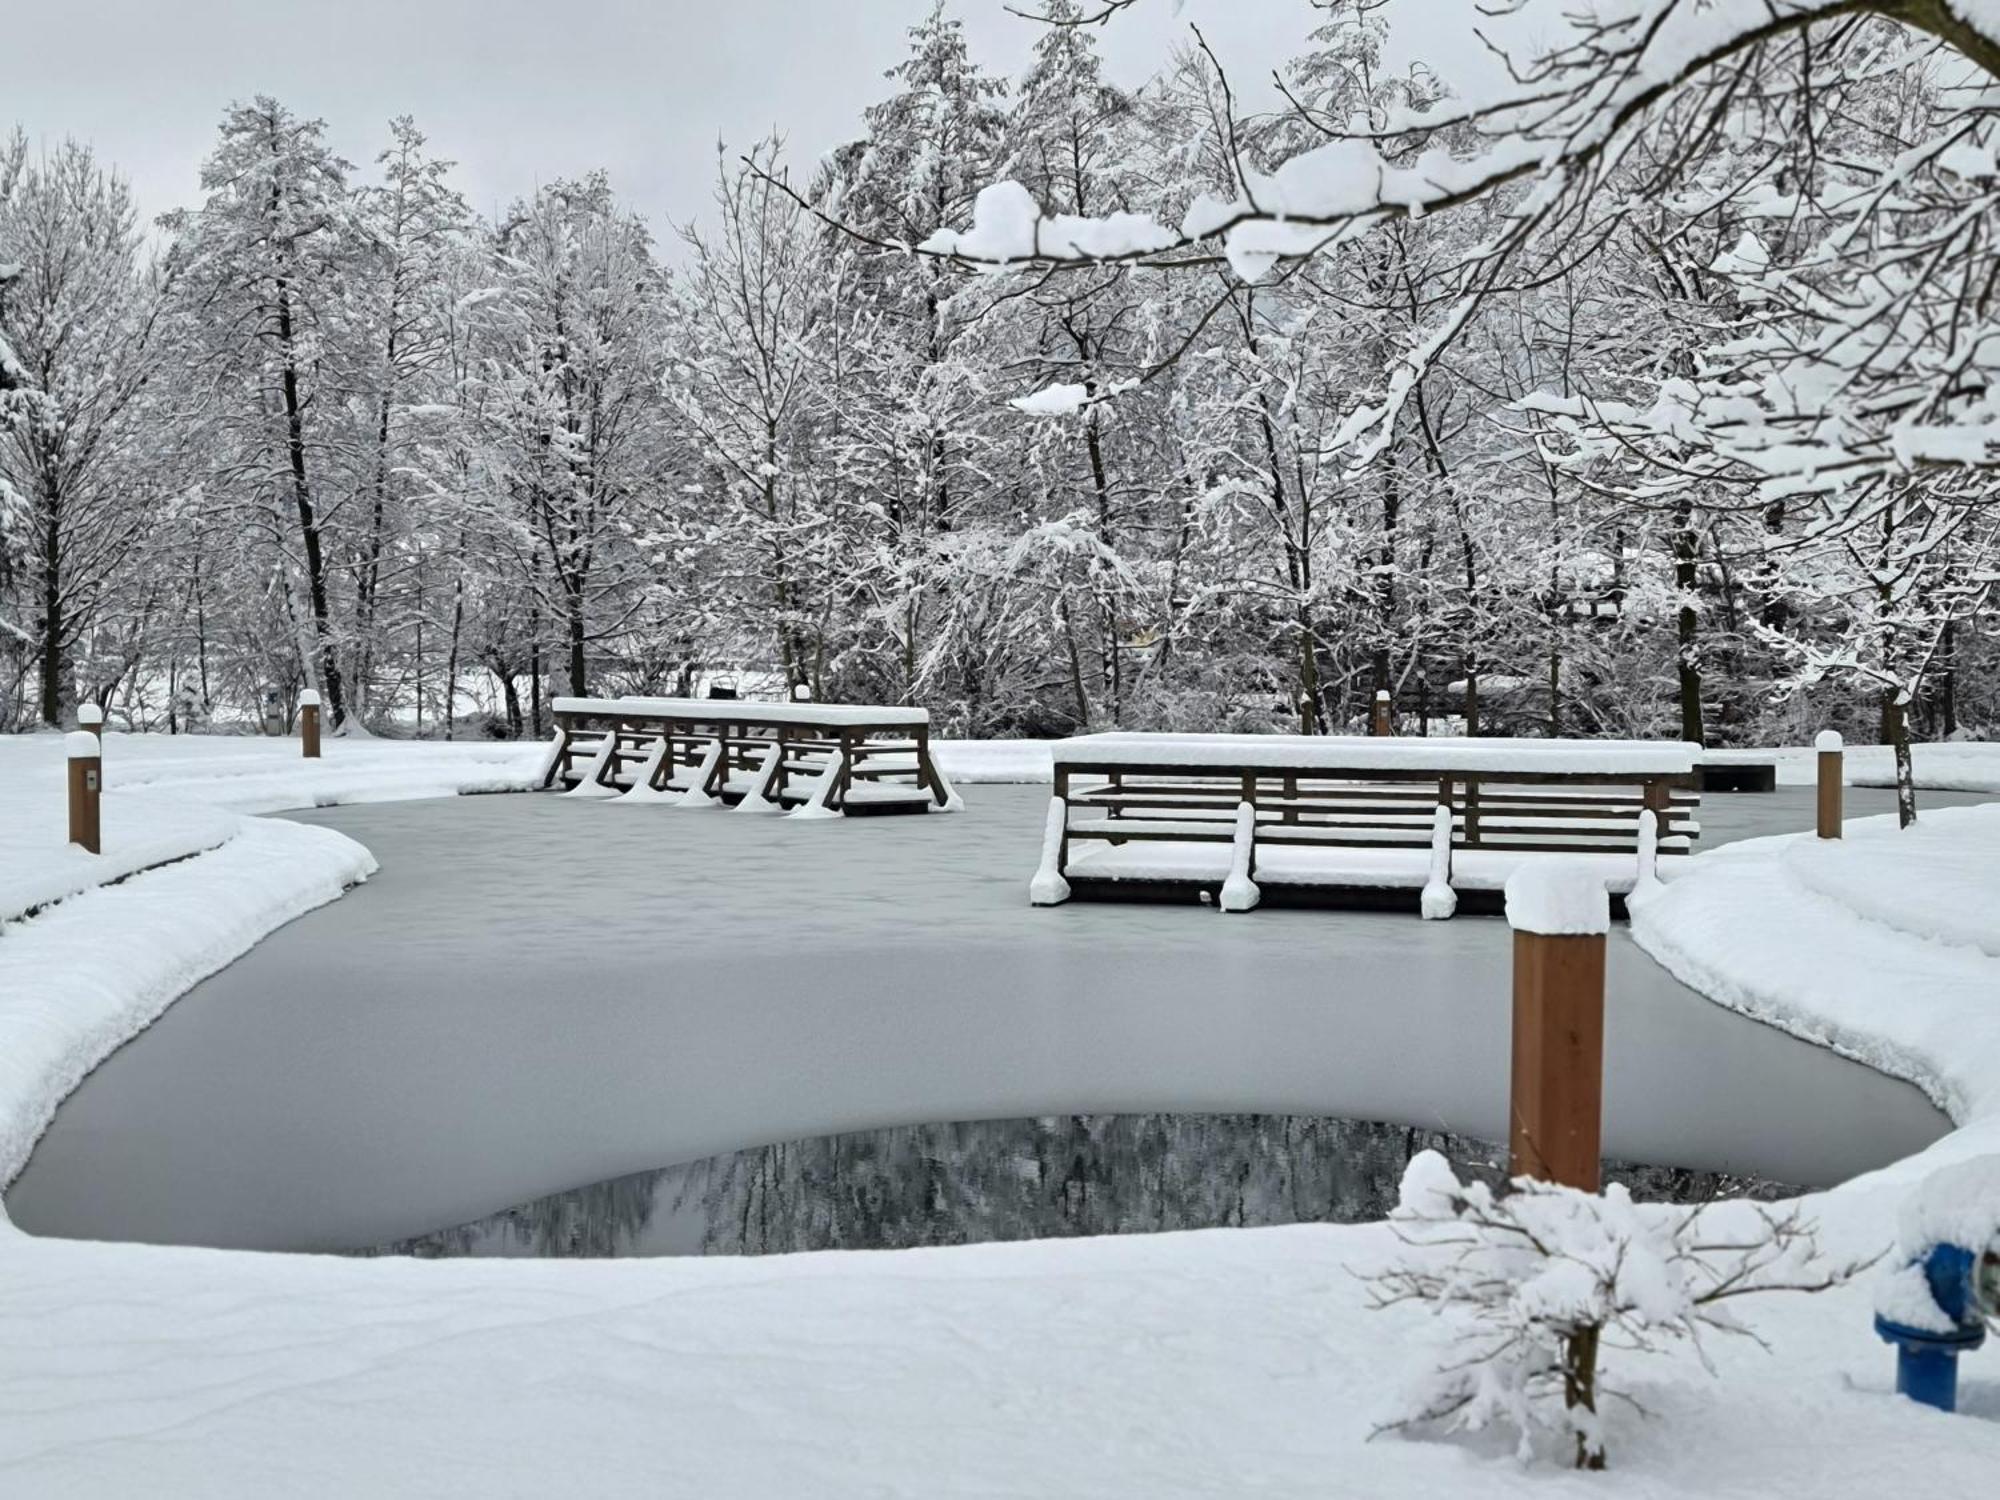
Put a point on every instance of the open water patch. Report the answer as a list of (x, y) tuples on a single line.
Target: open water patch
[(977, 1182)]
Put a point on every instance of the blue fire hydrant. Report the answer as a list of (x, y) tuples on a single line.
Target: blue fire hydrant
[(1927, 1358)]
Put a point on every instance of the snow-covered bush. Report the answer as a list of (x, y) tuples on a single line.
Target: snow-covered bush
[(1534, 1279)]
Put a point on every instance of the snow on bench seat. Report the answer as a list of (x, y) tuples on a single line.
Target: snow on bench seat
[(750, 711), (885, 791), (1152, 862)]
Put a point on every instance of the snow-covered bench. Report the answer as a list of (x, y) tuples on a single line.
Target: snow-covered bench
[(1232, 817), (823, 757)]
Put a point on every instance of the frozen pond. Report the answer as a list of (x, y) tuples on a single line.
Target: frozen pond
[(537, 993)]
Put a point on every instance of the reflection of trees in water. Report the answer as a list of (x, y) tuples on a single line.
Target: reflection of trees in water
[(1047, 1178), (1014, 1179), (604, 1219)]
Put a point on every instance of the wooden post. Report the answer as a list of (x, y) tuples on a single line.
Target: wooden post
[(90, 717), (86, 782), (1830, 755), (1379, 724), (1560, 913), (309, 724)]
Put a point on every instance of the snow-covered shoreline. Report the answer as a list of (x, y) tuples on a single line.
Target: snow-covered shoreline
[(1221, 1362), (1889, 957)]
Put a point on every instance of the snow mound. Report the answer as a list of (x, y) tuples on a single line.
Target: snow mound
[(1938, 880), (1742, 927)]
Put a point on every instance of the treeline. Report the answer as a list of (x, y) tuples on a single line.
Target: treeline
[(328, 427)]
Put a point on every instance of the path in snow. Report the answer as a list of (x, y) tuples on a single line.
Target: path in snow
[(537, 993)]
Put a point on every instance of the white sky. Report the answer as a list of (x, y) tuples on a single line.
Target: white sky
[(520, 92)]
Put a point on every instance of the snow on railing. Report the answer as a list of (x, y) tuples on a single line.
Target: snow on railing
[(1368, 753)]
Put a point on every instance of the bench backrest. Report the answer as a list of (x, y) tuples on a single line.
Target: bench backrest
[(1543, 811)]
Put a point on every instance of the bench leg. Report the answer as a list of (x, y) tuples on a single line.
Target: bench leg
[(1239, 891), (929, 775), (1439, 901), (1048, 888), (556, 767)]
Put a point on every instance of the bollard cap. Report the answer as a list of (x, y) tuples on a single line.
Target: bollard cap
[(89, 713), (81, 744), (1826, 740), (1558, 898), (309, 699)]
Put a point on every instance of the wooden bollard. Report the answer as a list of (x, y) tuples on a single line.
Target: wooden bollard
[(90, 717), (309, 724), (1378, 725), (1560, 913), (1830, 777), (86, 783)]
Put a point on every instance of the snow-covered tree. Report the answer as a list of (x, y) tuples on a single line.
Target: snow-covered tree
[(265, 270), (1535, 1284), (79, 341)]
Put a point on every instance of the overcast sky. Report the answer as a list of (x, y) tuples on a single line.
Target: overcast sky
[(520, 92)]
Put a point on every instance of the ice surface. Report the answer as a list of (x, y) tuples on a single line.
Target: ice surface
[(675, 991)]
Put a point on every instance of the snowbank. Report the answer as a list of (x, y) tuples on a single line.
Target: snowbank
[(1880, 946), (82, 977), (1937, 880), (1950, 766), (39, 865), (83, 968), (170, 796)]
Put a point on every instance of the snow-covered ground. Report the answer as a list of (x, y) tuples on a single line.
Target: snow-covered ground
[(1952, 766), (1221, 1363), (169, 796)]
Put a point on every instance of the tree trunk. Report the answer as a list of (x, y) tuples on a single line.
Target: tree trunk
[(1109, 600), (1687, 621), (1075, 667), (1579, 1365), (510, 697), (1308, 671), (368, 578), (451, 658), (574, 626), (56, 687), (1896, 730), (309, 532)]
